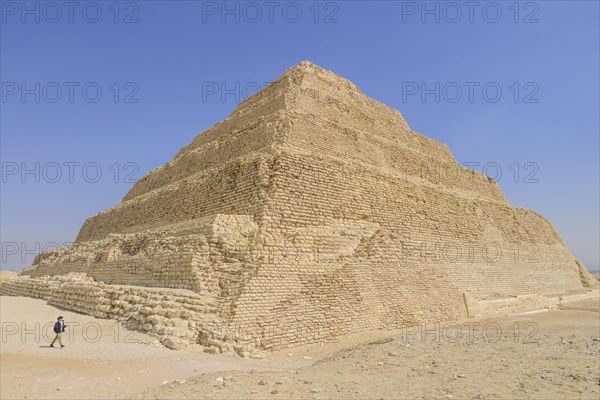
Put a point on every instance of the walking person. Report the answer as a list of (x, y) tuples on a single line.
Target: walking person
[(59, 328)]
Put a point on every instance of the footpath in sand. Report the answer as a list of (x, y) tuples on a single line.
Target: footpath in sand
[(554, 354)]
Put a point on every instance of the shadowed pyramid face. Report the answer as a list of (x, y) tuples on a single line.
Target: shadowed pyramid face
[(312, 202)]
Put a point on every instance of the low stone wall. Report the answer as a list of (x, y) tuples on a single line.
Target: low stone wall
[(490, 304), (210, 256), (578, 296), (178, 318)]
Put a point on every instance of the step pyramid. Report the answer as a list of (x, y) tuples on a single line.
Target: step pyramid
[(314, 211)]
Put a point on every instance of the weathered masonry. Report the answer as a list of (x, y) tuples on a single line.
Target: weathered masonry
[(310, 212)]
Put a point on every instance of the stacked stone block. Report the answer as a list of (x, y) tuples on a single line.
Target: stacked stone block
[(311, 212), (177, 318)]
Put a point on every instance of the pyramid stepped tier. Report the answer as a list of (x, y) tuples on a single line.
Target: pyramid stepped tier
[(314, 211), (232, 188), (225, 166), (208, 255), (233, 142)]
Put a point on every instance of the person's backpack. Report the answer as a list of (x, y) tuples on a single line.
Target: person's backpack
[(57, 327)]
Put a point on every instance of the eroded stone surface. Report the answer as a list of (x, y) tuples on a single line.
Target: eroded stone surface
[(312, 211)]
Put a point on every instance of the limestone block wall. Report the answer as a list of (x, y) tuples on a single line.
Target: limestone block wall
[(323, 282), (177, 318), (208, 255), (260, 122), (331, 97), (234, 188), (490, 304), (135, 259), (307, 191), (424, 162), (257, 108), (401, 267), (213, 149)]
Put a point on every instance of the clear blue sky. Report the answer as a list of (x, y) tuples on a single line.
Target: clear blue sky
[(543, 56)]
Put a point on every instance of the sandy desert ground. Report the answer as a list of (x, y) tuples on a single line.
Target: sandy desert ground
[(554, 354)]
